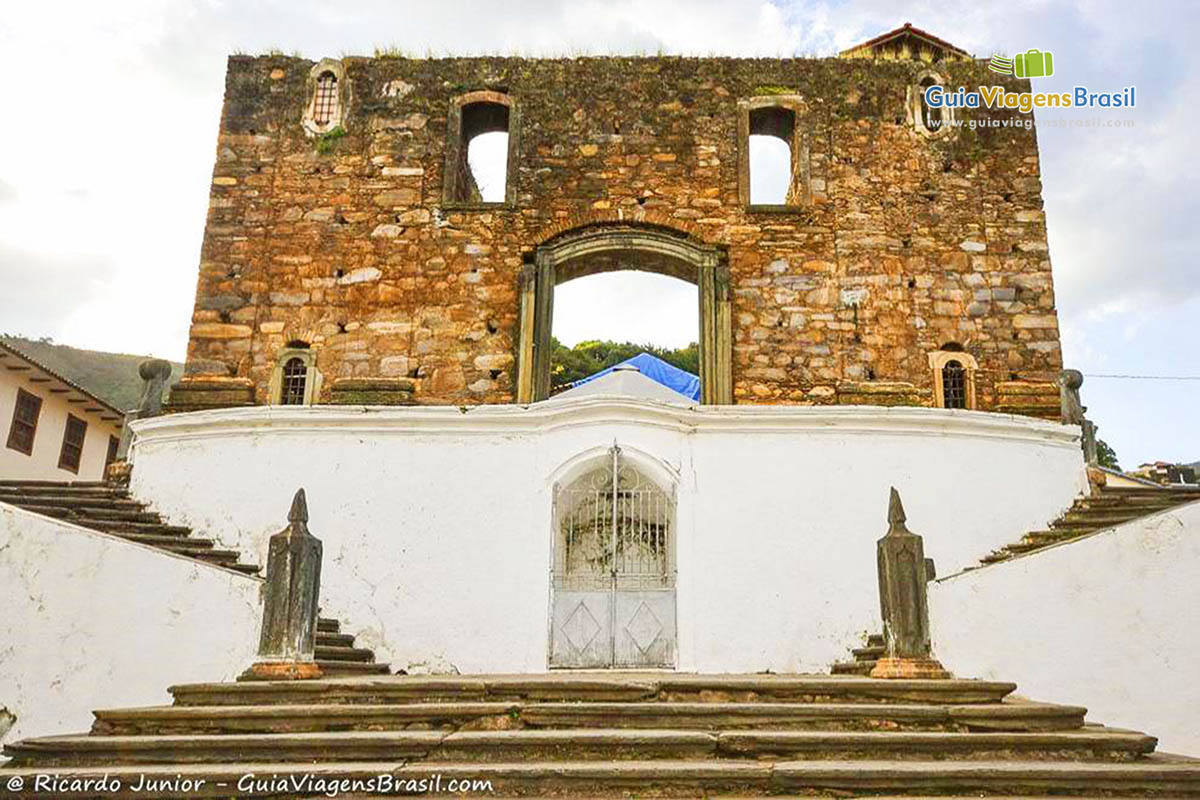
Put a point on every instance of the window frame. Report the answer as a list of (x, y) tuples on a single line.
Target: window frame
[(312, 378), (341, 100), (114, 447), (456, 150), (69, 446), (938, 359), (16, 421), (800, 186), (916, 106)]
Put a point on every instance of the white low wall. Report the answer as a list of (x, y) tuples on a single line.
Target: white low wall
[(1108, 622), (436, 521), (92, 621)]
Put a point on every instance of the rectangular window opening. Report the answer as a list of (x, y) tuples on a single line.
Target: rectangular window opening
[(772, 157), (72, 446), (480, 174), (24, 422)]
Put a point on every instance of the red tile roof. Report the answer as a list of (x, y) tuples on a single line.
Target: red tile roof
[(908, 29)]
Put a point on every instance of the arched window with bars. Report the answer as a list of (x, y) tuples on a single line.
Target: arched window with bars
[(954, 385), (328, 95), (953, 376), (295, 380), (325, 101)]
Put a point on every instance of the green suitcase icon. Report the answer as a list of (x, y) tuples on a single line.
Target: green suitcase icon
[(1034, 64)]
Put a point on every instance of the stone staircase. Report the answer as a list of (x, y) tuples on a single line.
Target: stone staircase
[(109, 508), (1104, 508), (614, 735), (864, 658)]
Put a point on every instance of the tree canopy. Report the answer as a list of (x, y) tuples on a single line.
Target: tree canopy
[(569, 364)]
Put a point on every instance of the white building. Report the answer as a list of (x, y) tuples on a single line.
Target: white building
[(53, 429)]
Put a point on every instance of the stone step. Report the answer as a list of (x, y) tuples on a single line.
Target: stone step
[(577, 745), (176, 544), (671, 687), (1096, 518), (326, 625), (1009, 716), (869, 653), (155, 528), (108, 511), (70, 503), (340, 653), (336, 669), (667, 778), (334, 639), (853, 668), (875, 640)]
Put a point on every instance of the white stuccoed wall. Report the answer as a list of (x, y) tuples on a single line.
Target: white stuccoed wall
[(436, 521), (92, 621), (1108, 622)]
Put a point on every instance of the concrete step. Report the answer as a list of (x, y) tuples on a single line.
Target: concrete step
[(577, 745), (670, 687), (500, 715), (667, 778)]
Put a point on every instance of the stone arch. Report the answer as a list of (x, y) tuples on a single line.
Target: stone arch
[(604, 248)]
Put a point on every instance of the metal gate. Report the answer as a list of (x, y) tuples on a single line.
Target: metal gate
[(613, 584)]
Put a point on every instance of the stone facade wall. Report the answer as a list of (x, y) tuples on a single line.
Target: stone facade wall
[(902, 242)]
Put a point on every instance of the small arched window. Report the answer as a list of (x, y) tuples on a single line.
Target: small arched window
[(953, 376), (328, 96), (295, 380), (325, 101), (926, 120), (954, 385), (931, 118)]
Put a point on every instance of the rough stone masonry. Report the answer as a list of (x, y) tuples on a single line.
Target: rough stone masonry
[(363, 245)]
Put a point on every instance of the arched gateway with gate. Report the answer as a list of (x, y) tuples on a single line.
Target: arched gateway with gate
[(613, 581)]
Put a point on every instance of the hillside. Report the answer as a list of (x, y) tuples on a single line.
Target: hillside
[(113, 377)]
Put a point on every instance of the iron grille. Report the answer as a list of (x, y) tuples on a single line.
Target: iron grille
[(954, 385), (295, 379), (326, 103), (613, 532)]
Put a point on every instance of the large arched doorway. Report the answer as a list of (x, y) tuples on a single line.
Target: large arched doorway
[(605, 248), (613, 585)]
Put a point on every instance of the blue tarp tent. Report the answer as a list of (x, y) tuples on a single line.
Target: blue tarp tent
[(658, 370)]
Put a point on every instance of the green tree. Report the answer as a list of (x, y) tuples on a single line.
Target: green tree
[(1106, 455), (569, 364)]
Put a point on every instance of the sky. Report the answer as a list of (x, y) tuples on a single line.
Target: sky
[(111, 114)]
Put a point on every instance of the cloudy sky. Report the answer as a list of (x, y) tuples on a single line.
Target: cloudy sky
[(110, 115)]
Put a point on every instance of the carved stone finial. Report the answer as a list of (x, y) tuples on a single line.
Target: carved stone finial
[(287, 645), (299, 510), (903, 574), (1069, 381), (896, 515)]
